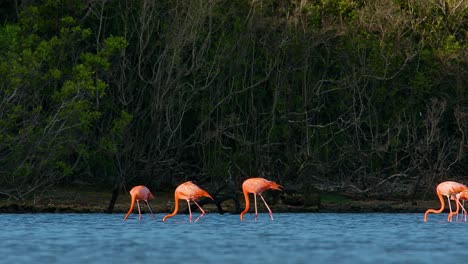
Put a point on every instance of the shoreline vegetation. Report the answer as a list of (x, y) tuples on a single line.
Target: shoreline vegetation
[(367, 98), (96, 201)]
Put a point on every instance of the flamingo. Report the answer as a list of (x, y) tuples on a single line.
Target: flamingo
[(257, 186), (190, 192), (448, 189), (461, 196), (138, 193)]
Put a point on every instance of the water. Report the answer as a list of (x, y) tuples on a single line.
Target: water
[(290, 238)]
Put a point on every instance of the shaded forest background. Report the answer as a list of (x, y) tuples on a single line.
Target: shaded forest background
[(364, 97)]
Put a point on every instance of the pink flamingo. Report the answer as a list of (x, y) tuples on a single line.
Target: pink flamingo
[(257, 186), (190, 192), (448, 189), (461, 196), (139, 193)]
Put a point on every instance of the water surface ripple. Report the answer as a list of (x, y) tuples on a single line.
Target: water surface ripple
[(290, 238)]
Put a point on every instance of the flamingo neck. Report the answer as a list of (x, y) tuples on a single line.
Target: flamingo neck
[(176, 208), (442, 207), (131, 207), (247, 204)]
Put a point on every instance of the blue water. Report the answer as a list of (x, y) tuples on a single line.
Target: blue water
[(290, 238)]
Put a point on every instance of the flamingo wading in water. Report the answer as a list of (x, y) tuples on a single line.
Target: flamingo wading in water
[(190, 192), (257, 186), (461, 196), (138, 193), (447, 189)]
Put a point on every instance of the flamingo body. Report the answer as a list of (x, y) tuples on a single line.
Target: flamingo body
[(188, 191), (257, 186), (138, 193), (448, 189)]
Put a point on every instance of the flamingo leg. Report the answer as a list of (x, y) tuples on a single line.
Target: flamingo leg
[(201, 209), (255, 202), (458, 207), (464, 211), (462, 205), (190, 210), (139, 211), (271, 214), (457, 202), (149, 207), (449, 219)]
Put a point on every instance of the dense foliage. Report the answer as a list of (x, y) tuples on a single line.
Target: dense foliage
[(363, 96)]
